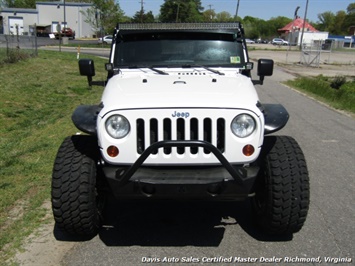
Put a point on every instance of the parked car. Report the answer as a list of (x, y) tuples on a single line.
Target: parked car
[(105, 40), (65, 32), (261, 41), (327, 45), (279, 41), (249, 41)]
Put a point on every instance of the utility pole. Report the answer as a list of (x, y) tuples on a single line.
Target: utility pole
[(236, 11), (142, 10), (304, 24), (211, 17), (290, 33), (177, 11), (65, 19)]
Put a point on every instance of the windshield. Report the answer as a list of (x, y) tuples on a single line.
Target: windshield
[(173, 49)]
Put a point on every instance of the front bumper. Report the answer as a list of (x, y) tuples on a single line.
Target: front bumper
[(223, 182)]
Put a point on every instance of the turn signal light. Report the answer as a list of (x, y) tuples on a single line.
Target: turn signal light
[(248, 150), (112, 151)]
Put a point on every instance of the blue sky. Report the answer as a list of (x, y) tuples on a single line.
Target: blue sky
[(264, 9)]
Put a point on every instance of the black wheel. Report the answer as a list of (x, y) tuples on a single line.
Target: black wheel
[(281, 199), (75, 201)]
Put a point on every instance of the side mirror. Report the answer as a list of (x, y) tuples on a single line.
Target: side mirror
[(265, 68), (87, 68)]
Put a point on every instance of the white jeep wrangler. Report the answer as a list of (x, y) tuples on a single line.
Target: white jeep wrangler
[(180, 119)]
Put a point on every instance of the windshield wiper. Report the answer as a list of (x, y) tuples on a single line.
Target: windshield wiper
[(161, 72), (207, 68)]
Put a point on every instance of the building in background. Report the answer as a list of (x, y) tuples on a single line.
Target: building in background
[(47, 16), (17, 20), (293, 32)]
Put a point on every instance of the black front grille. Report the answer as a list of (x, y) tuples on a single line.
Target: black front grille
[(153, 130)]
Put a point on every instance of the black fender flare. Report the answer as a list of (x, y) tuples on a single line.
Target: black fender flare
[(84, 118), (276, 117)]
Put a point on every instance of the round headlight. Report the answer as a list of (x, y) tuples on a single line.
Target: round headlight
[(243, 125), (117, 126)]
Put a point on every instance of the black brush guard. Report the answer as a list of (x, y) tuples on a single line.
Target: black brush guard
[(225, 181)]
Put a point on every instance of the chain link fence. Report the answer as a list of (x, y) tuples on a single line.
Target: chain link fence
[(15, 47), (317, 52)]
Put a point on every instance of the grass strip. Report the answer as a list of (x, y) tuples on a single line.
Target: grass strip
[(338, 92), (37, 98)]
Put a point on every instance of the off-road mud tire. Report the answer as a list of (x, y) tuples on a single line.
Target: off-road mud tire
[(282, 190), (74, 193)]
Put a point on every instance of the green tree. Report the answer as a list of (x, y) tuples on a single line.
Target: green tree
[(350, 18), (249, 20), (279, 22), (351, 8), (338, 25), (275, 24), (264, 30), (142, 17), (20, 3), (181, 11), (326, 21), (209, 15), (224, 16), (31, 3), (250, 27), (104, 15)]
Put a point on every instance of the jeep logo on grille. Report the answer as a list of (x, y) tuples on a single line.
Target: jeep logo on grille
[(180, 114)]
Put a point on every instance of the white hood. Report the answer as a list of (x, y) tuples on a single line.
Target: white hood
[(153, 90)]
